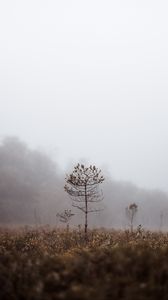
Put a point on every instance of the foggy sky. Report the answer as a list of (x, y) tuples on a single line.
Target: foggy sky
[(88, 80)]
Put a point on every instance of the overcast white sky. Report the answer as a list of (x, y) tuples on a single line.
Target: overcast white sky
[(89, 79)]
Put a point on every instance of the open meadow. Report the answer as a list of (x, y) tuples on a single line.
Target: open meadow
[(47, 263)]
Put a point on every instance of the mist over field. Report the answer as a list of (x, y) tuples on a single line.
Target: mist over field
[(83, 82), (32, 193), (83, 149)]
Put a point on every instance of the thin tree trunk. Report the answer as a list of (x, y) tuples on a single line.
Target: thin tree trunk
[(132, 217), (86, 214)]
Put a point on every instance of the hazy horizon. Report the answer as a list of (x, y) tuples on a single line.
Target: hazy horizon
[(88, 81)]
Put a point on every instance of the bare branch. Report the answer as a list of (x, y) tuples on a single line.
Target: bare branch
[(79, 207), (82, 185)]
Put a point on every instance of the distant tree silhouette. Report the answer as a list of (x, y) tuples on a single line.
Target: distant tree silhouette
[(131, 212), (27, 178), (65, 216), (83, 187)]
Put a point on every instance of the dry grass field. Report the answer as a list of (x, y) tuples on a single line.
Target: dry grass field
[(47, 263)]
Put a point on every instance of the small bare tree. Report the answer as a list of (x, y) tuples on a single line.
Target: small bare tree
[(65, 216), (83, 187), (131, 212)]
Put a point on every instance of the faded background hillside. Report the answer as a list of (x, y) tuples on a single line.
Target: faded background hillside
[(32, 192)]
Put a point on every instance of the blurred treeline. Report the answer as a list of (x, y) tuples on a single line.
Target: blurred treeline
[(32, 192)]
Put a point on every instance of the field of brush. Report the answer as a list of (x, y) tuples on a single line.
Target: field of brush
[(47, 263)]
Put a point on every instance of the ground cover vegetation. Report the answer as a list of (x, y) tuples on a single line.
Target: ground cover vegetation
[(52, 263)]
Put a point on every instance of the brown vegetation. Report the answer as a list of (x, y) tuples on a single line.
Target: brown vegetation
[(50, 263)]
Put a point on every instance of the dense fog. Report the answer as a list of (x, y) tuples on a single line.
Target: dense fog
[(32, 193), (88, 79)]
